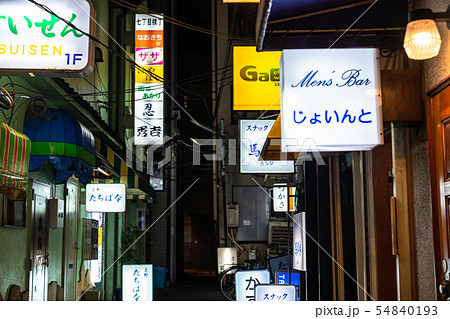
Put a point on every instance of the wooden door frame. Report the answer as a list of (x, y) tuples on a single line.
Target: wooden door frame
[(437, 180), (359, 211), (336, 229)]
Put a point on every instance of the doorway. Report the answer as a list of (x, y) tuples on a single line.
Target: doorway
[(439, 146), (71, 241), (39, 242)]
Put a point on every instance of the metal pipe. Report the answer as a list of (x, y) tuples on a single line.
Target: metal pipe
[(261, 23), (173, 170), (224, 185), (225, 63), (216, 202)]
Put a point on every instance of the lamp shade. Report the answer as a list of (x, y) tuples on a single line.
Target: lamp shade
[(422, 39)]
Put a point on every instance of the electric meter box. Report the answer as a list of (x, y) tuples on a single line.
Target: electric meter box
[(233, 215), (56, 213)]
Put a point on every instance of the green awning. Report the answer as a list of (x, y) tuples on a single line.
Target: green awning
[(137, 186), (14, 158)]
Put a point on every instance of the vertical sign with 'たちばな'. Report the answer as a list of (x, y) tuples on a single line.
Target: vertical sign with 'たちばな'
[(137, 282)]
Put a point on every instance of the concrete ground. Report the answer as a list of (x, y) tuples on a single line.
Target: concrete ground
[(191, 287)]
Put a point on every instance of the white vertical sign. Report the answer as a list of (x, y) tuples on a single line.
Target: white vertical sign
[(149, 91), (137, 282), (253, 134), (226, 257), (97, 264), (299, 247), (282, 199)]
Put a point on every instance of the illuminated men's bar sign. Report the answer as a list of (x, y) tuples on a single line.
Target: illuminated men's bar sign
[(33, 40), (149, 86), (330, 100)]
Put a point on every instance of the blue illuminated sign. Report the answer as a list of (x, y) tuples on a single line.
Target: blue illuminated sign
[(283, 278)]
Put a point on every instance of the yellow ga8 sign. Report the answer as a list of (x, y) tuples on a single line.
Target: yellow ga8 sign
[(256, 79)]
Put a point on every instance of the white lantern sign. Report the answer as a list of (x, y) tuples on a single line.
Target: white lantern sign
[(33, 40), (106, 198), (330, 100), (247, 280), (283, 199), (253, 134), (137, 282), (299, 239), (275, 293)]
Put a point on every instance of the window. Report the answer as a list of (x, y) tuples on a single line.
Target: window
[(14, 213)]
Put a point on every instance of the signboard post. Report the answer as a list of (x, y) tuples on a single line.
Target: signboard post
[(247, 280), (330, 100)]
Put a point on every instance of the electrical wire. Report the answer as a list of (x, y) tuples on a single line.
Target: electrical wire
[(105, 91), (104, 94), (233, 241), (45, 8), (209, 74), (91, 37), (13, 112), (209, 82), (152, 13), (5, 96)]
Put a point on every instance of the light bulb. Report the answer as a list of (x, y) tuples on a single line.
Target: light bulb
[(422, 39)]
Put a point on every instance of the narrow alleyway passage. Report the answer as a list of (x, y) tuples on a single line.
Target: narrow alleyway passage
[(191, 287)]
